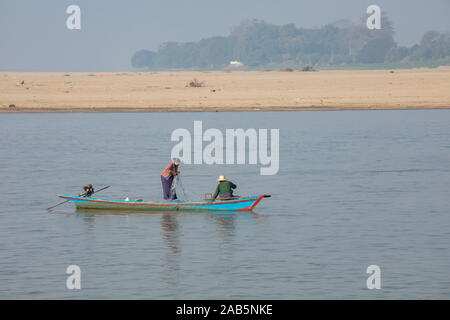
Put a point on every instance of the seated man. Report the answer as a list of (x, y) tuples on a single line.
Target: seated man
[(88, 190), (224, 189)]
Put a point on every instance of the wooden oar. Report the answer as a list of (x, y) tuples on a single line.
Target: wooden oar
[(79, 196)]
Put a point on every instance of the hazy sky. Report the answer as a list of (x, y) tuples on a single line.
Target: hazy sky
[(34, 36)]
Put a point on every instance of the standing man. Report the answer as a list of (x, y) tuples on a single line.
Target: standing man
[(167, 176)]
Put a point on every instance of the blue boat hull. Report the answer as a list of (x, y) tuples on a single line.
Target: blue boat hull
[(239, 204)]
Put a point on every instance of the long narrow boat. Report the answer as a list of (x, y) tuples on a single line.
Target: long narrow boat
[(235, 204)]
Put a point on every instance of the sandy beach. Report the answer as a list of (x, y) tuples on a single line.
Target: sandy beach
[(224, 91)]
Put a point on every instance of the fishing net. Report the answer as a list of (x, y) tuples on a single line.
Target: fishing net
[(177, 188)]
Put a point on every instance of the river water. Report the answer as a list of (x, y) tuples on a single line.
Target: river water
[(354, 189)]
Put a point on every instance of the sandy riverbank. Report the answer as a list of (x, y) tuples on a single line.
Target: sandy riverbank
[(225, 91)]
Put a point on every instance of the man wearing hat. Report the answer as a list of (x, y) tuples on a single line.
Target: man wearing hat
[(224, 189), (167, 176)]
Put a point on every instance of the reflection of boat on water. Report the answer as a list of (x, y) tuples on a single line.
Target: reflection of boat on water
[(235, 204)]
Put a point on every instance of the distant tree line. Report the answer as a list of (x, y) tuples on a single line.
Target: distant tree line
[(256, 44)]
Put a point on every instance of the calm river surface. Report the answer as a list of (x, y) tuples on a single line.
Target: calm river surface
[(354, 189)]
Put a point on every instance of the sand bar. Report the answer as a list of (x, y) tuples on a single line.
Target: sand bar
[(225, 91)]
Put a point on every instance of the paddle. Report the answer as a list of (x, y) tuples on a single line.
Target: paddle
[(78, 195)]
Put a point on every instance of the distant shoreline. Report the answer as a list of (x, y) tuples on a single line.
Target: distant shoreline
[(220, 91), (174, 110)]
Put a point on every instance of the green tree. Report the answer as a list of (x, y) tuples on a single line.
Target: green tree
[(256, 43), (143, 59), (396, 54), (375, 51)]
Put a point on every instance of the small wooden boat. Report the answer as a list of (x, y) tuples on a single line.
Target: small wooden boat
[(233, 204)]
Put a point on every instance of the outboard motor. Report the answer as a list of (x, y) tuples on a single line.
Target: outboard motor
[(88, 190)]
